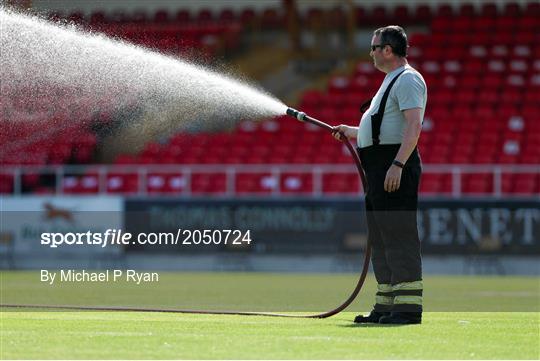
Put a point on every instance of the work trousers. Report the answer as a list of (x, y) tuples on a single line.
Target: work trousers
[(392, 229)]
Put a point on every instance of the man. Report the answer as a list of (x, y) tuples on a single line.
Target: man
[(387, 138)]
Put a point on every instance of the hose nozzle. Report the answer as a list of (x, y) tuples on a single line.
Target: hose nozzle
[(296, 114)]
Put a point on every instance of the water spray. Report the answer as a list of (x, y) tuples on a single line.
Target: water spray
[(146, 94)]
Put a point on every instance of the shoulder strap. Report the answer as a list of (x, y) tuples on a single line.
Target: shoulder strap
[(376, 119)]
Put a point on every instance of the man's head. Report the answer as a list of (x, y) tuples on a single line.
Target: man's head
[(388, 47)]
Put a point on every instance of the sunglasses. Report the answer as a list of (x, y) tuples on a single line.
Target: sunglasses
[(374, 47)]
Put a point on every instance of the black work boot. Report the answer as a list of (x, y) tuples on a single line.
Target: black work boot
[(402, 318), (373, 317)]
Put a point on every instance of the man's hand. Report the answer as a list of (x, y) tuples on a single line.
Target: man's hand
[(347, 131), (393, 179)]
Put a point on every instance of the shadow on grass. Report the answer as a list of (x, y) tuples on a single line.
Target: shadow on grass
[(374, 325)]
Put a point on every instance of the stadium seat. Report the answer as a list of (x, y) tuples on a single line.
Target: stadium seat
[(533, 9), (477, 183), (489, 10), (88, 183), (161, 16), (139, 16), (422, 13), (205, 15), (512, 9), (271, 19), (378, 16), (208, 183), (97, 17), (526, 184), (227, 15), (123, 183), (445, 11), (248, 17), (482, 107), (183, 16), (6, 183)]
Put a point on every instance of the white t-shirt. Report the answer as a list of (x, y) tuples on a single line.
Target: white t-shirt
[(409, 91)]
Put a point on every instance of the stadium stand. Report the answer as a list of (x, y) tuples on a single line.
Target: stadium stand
[(200, 36), (482, 67)]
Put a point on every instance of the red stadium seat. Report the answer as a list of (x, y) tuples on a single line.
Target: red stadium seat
[(205, 15), (533, 8), (512, 9), (296, 183), (124, 183), (208, 183), (445, 11), (361, 16), (271, 19), (6, 183), (336, 18), (139, 16), (489, 10), (183, 16), (156, 183), (77, 17), (71, 184), (422, 13), (467, 10), (89, 183), (161, 16), (525, 184), (379, 16), (248, 17), (97, 17), (477, 183), (341, 183)]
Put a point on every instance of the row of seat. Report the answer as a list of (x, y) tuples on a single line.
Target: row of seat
[(41, 143), (467, 62), (472, 24), (516, 39), (524, 184), (164, 16), (267, 183), (210, 39), (272, 17), (492, 91)]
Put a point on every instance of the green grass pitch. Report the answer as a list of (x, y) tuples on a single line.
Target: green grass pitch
[(454, 333)]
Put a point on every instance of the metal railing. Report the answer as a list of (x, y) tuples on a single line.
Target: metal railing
[(276, 171)]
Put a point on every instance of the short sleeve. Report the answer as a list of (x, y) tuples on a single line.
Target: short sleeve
[(410, 92)]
